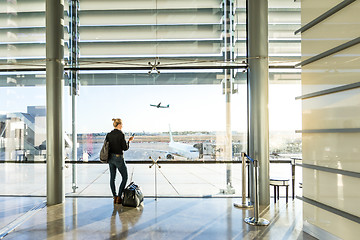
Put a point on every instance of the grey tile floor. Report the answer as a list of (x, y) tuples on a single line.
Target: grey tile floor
[(164, 218)]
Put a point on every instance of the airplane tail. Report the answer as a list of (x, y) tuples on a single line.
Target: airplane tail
[(171, 137)]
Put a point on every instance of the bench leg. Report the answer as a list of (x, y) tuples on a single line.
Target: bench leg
[(275, 194), (287, 192)]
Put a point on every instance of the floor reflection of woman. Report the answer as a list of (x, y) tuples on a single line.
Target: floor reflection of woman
[(128, 217)]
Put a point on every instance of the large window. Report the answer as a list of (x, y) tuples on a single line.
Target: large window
[(186, 56)]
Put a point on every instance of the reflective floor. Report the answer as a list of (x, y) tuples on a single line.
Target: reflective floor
[(164, 218), (90, 213)]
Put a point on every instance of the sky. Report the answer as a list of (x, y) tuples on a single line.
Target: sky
[(192, 107)]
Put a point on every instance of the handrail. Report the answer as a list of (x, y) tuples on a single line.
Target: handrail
[(149, 162), (329, 52), (330, 91), (324, 16)]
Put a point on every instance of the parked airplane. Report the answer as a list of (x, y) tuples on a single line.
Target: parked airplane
[(181, 149), (159, 105), (174, 149)]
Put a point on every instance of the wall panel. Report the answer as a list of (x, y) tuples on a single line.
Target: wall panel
[(331, 121), (334, 190), (332, 111), (323, 150), (343, 229)]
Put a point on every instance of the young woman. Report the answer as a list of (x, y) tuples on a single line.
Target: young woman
[(117, 145)]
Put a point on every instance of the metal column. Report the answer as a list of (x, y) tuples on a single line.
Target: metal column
[(258, 126), (74, 84), (228, 53), (54, 93)]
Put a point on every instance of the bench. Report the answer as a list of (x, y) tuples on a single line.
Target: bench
[(277, 183)]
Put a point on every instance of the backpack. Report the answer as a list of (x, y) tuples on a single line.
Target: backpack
[(104, 153)]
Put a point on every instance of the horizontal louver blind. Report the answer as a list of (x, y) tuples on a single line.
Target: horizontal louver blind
[(23, 34), (125, 30), (130, 34)]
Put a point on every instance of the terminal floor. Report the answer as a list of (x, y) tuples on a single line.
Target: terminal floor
[(164, 218)]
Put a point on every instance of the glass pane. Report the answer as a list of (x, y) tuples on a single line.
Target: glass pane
[(131, 38), (22, 124), (186, 180), (284, 120), (193, 110)]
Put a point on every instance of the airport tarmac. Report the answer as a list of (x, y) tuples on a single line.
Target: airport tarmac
[(137, 151), (176, 180)]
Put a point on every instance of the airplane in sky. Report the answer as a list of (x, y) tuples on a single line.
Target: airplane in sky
[(159, 105)]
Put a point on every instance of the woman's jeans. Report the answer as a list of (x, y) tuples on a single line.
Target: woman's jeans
[(116, 161)]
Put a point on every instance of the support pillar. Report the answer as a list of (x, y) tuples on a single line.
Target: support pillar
[(54, 93), (228, 53), (258, 116), (74, 80)]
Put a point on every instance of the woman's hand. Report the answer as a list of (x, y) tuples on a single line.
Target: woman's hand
[(131, 138)]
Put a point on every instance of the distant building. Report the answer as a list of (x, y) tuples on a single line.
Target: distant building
[(21, 134), (39, 114)]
